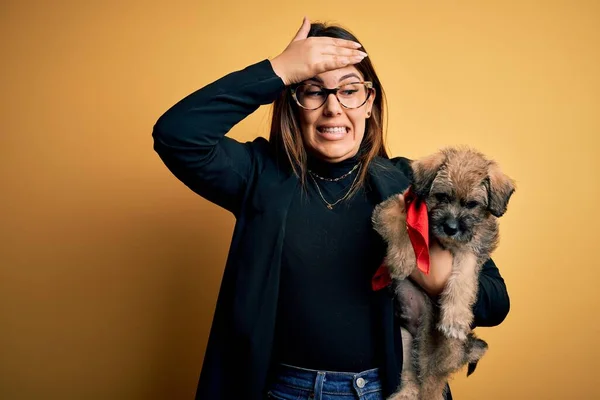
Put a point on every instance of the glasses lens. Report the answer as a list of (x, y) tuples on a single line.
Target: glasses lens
[(353, 95), (310, 96)]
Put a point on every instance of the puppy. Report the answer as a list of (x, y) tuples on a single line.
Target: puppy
[(464, 193)]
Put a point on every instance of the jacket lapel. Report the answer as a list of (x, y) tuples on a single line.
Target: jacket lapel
[(387, 178)]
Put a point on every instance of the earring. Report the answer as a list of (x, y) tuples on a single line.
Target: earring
[(368, 114)]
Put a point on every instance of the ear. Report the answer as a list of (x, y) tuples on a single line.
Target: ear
[(370, 102), (424, 172), (500, 189)]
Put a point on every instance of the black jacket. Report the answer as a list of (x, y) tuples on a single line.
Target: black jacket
[(248, 180)]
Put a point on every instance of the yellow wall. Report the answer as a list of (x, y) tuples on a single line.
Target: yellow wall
[(110, 267)]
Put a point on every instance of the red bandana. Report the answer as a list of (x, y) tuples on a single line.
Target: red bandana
[(417, 225), (381, 278)]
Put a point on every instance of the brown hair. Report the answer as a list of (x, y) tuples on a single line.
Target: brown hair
[(286, 136)]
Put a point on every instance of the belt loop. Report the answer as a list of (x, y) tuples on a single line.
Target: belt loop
[(319, 385)]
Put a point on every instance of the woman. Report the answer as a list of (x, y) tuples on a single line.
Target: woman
[(296, 315)]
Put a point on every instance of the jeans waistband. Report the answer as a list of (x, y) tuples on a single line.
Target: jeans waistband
[(330, 382)]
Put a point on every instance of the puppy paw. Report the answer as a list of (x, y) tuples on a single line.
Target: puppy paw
[(388, 215), (453, 330)]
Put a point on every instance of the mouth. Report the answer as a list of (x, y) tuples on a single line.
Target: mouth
[(332, 132)]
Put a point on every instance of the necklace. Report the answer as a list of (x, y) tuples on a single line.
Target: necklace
[(336, 179), (328, 204)]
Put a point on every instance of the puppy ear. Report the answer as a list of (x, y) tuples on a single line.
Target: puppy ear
[(424, 172), (500, 189)]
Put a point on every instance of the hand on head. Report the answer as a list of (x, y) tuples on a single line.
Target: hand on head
[(306, 57)]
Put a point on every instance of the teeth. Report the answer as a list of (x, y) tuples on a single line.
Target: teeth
[(337, 129)]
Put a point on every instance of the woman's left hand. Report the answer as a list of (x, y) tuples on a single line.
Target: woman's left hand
[(440, 268)]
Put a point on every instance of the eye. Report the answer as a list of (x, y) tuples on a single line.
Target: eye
[(442, 197), (310, 90), (348, 92), (472, 204), (314, 93)]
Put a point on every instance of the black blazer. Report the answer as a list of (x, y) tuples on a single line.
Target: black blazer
[(248, 180)]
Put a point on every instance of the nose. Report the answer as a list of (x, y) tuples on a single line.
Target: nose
[(332, 106), (450, 227)]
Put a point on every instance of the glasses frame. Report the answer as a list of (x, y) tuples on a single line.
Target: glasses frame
[(334, 91)]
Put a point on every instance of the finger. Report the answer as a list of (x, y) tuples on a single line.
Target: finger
[(321, 40), (334, 62), (303, 31), (343, 51)]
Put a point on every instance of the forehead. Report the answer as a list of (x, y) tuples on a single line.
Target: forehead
[(337, 76)]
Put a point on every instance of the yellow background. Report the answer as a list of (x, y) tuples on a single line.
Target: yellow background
[(110, 267)]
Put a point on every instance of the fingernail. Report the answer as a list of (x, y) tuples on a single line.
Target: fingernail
[(362, 53), (358, 45)]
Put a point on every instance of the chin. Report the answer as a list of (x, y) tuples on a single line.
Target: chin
[(334, 152)]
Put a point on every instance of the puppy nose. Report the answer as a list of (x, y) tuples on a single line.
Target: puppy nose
[(450, 227)]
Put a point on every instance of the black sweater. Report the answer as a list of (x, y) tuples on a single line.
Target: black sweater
[(325, 318)]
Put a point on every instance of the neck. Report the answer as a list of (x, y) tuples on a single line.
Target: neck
[(331, 169)]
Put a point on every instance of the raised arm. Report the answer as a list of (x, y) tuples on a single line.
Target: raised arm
[(190, 136)]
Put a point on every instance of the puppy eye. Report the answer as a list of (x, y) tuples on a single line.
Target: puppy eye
[(442, 197), (472, 204)]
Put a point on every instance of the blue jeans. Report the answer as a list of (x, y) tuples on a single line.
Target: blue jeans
[(293, 383)]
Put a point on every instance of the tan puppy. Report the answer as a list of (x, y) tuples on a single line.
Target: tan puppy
[(465, 193)]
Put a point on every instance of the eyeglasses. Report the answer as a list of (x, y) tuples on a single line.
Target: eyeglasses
[(311, 96)]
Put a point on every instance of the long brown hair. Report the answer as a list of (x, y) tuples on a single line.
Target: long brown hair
[(286, 136)]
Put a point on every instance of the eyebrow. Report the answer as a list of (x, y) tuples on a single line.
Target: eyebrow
[(350, 75)]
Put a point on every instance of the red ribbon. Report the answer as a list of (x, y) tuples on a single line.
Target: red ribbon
[(417, 225), (381, 278)]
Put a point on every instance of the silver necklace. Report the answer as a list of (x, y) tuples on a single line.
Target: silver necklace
[(328, 204), (336, 179)]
